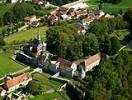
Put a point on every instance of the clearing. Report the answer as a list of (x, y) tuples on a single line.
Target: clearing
[(26, 35)]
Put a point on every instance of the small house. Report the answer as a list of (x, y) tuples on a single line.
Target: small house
[(17, 82), (2, 92)]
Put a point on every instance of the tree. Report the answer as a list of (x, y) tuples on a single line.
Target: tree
[(115, 44), (8, 17), (2, 42), (128, 17), (90, 44), (65, 41), (111, 1), (4, 32)]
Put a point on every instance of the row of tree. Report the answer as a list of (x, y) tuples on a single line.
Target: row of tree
[(64, 41), (111, 1), (60, 2)]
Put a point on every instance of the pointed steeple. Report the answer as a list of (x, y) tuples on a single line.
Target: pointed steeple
[(38, 35)]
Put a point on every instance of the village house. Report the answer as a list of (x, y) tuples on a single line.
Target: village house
[(91, 62), (17, 82), (2, 92), (81, 12), (30, 19), (71, 12), (66, 68), (53, 19)]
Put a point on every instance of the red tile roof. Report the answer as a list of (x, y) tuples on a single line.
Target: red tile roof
[(17, 80), (92, 59)]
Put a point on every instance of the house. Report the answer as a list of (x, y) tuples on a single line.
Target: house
[(30, 19), (71, 13), (89, 63), (86, 21), (81, 11), (66, 68), (2, 92), (17, 82), (92, 61), (62, 11), (53, 19)]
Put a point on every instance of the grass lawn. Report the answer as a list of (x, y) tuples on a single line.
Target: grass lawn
[(26, 35), (4, 8), (8, 65), (107, 7)]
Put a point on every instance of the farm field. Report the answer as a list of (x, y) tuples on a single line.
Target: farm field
[(8, 65), (26, 35), (113, 8)]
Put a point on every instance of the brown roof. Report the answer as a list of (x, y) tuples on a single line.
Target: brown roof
[(17, 80), (52, 17), (62, 10), (92, 59), (81, 11), (70, 11), (64, 63)]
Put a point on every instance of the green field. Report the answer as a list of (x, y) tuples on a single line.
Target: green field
[(125, 4), (26, 35), (4, 8), (8, 65)]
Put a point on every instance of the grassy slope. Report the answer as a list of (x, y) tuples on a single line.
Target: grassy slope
[(125, 4), (26, 35), (47, 85), (7, 65), (53, 96), (4, 8)]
